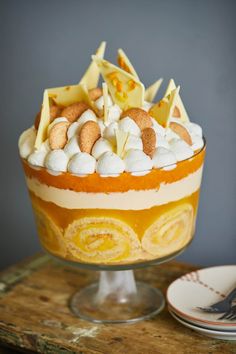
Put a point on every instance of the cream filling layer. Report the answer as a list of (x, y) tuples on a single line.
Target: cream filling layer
[(130, 200)]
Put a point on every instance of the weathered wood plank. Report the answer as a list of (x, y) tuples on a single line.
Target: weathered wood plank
[(34, 315)]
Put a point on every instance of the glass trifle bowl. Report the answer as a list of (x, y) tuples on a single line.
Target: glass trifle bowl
[(115, 224), (114, 181)]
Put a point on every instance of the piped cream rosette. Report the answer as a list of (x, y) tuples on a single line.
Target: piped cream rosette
[(102, 240), (51, 235), (170, 232)]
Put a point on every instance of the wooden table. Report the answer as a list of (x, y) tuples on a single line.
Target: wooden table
[(34, 315)]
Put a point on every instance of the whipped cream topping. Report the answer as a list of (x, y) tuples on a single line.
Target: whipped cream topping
[(161, 141), (56, 120), (194, 129), (101, 126), (170, 135), (99, 103), (56, 160), (164, 158), (110, 132), (137, 162), (197, 141), (82, 163), (102, 145), (85, 117), (158, 128), (129, 126), (114, 113), (37, 158), (181, 149), (170, 148), (134, 142), (73, 130), (45, 146), (110, 164), (72, 146), (26, 142)]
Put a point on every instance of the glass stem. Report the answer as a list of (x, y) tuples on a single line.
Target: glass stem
[(116, 286)]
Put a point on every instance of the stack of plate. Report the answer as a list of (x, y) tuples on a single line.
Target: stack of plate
[(203, 288)]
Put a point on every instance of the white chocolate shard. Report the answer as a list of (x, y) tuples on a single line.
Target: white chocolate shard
[(125, 90), (87, 98), (66, 95), (91, 77), (44, 121), (121, 140), (125, 64), (152, 90), (162, 111), (105, 97), (179, 111), (62, 96)]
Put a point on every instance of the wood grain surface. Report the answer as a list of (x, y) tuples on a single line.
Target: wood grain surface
[(34, 315)]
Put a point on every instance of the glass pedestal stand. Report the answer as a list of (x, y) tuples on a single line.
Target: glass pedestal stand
[(117, 298)]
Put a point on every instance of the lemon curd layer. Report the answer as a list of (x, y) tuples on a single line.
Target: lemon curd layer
[(111, 236)]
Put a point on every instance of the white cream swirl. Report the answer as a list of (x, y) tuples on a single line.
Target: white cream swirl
[(102, 145), (133, 142), (85, 117), (72, 147), (56, 160), (99, 103), (110, 132), (56, 120), (128, 125), (181, 149), (110, 165), (137, 162), (82, 163), (26, 142), (164, 157)]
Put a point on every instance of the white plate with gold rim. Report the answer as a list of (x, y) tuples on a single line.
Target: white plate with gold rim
[(203, 288), (230, 335)]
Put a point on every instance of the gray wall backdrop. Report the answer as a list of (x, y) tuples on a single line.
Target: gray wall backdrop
[(49, 43)]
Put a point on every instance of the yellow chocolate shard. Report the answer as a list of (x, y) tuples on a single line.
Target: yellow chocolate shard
[(152, 90), (86, 96), (91, 76), (162, 111), (179, 111), (66, 95), (62, 96), (125, 64), (105, 97), (125, 90), (121, 139), (44, 121)]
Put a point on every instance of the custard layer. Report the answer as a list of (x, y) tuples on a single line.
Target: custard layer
[(130, 200)]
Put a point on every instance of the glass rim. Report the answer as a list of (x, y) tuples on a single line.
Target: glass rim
[(139, 173)]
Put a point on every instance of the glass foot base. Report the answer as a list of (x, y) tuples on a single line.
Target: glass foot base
[(95, 304)]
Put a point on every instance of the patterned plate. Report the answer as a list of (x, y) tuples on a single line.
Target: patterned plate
[(205, 331), (203, 288)]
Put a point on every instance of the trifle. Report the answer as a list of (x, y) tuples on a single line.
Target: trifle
[(113, 175)]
